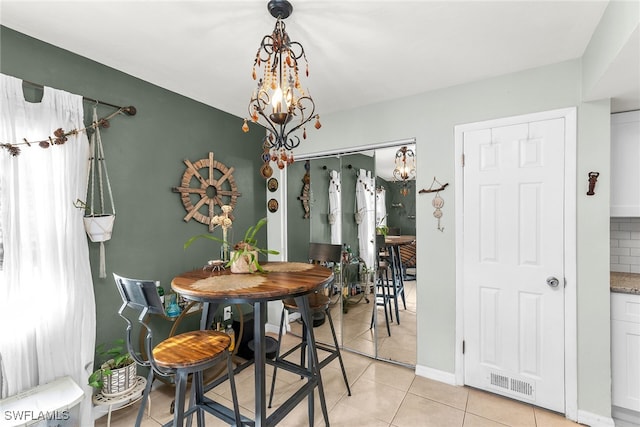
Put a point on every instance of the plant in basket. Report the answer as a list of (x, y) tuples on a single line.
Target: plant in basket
[(244, 257), (117, 372)]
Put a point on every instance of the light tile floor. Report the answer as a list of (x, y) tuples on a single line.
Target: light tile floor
[(353, 328), (383, 394)]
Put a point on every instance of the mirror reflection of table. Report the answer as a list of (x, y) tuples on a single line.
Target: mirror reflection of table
[(282, 280)]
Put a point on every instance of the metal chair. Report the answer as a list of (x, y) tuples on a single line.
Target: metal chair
[(319, 253), (180, 355)]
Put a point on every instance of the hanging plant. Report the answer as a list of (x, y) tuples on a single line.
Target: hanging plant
[(99, 222)]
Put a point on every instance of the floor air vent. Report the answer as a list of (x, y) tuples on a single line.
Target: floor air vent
[(500, 380), (521, 387), (512, 386)]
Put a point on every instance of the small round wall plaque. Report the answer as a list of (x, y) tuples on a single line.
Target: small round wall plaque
[(272, 184), (272, 205)]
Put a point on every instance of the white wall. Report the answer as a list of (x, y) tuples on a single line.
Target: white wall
[(431, 118)]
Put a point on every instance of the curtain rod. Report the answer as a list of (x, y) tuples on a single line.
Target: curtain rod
[(129, 111)]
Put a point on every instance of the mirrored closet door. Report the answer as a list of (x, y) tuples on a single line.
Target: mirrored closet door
[(347, 199)]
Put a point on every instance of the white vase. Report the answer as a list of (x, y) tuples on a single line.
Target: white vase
[(244, 263)]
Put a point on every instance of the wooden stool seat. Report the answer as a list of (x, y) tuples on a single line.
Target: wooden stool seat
[(191, 349)]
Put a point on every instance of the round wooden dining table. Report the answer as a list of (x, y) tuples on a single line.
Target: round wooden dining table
[(281, 280)]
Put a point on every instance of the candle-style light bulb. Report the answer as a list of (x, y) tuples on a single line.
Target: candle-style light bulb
[(280, 113), (277, 100)]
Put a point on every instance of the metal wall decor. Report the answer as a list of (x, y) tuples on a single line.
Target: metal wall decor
[(305, 194), (593, 178), (206, 182)]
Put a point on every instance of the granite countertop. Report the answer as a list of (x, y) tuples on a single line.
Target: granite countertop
[(628, 283)]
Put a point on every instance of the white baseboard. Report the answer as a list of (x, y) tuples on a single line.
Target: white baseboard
[(268, 327), (594, 420), (436, 375), (625, 417)]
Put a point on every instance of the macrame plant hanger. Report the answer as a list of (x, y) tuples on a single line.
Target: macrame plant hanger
[(99, 224)]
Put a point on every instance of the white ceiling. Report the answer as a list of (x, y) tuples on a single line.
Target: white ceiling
[(360, 52)]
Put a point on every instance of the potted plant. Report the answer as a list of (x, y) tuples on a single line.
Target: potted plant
[(117, 372), (244, 257), (382, 228)]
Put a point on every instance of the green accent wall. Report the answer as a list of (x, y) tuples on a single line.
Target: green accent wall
[(298, 227), (145, 156), (403, 216)]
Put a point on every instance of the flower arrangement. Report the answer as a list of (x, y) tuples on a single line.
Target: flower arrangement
[(225, 222), (246, 249)]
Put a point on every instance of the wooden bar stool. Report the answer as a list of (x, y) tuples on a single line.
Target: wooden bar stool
[(180, 355), (319, 253)]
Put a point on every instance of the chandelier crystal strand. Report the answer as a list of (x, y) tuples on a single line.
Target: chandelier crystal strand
[(279, 101)]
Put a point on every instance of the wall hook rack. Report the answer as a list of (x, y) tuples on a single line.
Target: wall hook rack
[(438, 202)]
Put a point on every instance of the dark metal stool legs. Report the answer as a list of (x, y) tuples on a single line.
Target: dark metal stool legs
[(383, 285), (335, 342)]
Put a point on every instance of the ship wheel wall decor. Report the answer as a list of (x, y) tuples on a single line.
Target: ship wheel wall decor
[(205, 184)]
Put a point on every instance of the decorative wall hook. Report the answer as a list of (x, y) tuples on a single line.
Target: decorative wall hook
[(434, 190), (438, 202), (593, 178)]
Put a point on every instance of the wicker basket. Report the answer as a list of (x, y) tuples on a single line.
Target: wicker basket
[(120, 381)]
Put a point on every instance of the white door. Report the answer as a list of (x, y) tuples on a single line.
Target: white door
[(513, 280)]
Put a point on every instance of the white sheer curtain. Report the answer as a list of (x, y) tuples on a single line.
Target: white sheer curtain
[(335, 207), (366, 215), (48, 306)]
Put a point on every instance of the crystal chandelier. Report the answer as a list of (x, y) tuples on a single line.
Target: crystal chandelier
[(279, 102), (405, 169)]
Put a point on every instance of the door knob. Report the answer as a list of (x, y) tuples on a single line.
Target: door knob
[(553, 282)]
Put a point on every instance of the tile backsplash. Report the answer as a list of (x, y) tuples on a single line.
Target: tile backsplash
[(625, 245)]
